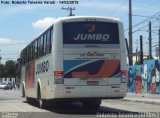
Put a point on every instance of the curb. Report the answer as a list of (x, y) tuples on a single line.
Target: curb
[(142, 101)]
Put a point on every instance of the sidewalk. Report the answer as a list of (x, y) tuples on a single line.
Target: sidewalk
[(147, 98)]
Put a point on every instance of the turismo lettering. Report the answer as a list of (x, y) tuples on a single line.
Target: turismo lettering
[(42, 67), (98, 37)]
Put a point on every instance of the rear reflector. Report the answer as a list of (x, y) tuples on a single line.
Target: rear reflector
[(119, 91), (124, 72), (58, 73)]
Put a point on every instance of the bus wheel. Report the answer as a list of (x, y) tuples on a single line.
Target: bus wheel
[(23, 91), (42, 103), (91, 104)]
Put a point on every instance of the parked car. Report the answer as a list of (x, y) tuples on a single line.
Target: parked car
[(4, 86), (7, 86), (11, 86)]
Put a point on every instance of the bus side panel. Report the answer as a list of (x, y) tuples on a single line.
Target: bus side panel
[(29, 79), (123, 55), (30, 75), (44, 76)]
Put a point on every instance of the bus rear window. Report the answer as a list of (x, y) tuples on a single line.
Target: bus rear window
[(90, 33)]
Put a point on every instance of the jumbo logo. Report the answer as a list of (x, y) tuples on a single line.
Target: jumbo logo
[(42, 67), (91, 28), (91, 34)]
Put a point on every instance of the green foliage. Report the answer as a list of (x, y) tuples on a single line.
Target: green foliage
[(8, 70), (1, 70)]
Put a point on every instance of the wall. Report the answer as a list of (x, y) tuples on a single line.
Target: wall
[(144, 78)]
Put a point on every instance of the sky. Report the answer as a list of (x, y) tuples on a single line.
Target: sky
[(21, 23)]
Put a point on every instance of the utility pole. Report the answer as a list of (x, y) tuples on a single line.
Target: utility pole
[(70, 9), (136, 54), (150, 40), (0, 57), (127, 47), (130, 34), (141, 49)]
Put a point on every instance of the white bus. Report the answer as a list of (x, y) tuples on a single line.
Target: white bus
[(78, 58)]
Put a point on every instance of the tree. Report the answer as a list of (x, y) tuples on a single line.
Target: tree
[(1, 70), (9, 69)]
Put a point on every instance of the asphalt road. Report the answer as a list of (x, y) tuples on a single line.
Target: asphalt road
[(13, 105)]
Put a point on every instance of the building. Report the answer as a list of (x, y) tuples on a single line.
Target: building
[(6, 80)]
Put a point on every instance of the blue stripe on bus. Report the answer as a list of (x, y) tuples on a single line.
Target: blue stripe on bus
[(90, 67), (69, 64), (117, 75)]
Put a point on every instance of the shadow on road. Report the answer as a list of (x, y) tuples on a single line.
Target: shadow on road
[(78, 109)]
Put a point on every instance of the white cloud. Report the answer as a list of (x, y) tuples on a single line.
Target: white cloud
[(4, 41), (43, 23), (10, 49)]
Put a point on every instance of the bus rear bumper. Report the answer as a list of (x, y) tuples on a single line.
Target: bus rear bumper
[(101, 92)]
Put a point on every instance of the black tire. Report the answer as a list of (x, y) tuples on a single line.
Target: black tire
[(23, 91), (41, 103)]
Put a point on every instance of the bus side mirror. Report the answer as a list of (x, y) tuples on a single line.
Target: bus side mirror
[(18, 64), (18, 60)]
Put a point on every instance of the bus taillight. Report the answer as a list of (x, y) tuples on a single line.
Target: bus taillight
[(58, 77), (58, 73), (124, 74)]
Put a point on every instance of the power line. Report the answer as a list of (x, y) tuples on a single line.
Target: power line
[(139, 29), (124, 2), (151, 17), (83, 2), (7, 58), (8, 54), (143, 16), (157, 3), (58, 13), (147, 19), (13, 44), (70, 9), (148, 5)]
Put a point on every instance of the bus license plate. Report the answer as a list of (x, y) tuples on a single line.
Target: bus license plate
[(92, 83)]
